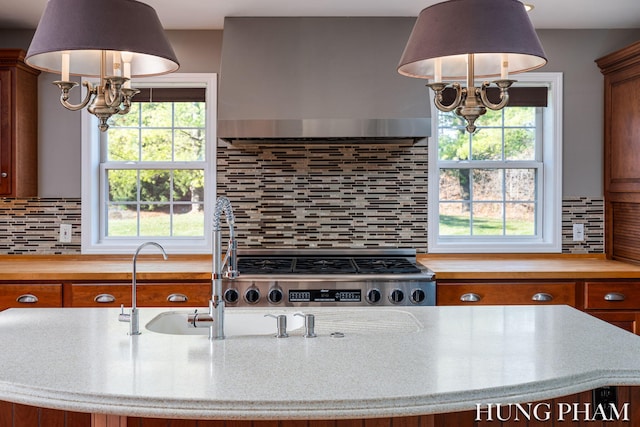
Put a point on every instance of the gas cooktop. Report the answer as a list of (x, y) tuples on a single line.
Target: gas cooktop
[(303, 277), (326, 265)]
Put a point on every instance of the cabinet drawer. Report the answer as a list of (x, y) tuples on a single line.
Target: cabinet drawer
[(507, 293), (627, 320), (163, 295), (98, 295), (25, 295), (612, 295), (148, 294)]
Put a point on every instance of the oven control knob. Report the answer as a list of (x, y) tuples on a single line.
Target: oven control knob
[(231, 295), (374, 296), (252, 295), (396, 296), (275, 295), (418, 296)]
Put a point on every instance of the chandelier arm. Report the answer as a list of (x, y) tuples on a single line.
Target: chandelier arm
[(437, 99), (504, 97), (109, 96), (125, 109), (113, 100), (118, 93), (64, 95)]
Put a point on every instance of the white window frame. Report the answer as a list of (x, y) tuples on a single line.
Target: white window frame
[(93, 240), (549, 240)]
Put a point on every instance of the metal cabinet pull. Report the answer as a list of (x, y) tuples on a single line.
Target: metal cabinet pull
[(177, 298), (470, 297), (4, 175), (614, 296), (542, 297), (104, 298), (27, 299)]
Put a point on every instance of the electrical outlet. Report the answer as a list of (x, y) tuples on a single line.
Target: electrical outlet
[(578, 232), (65, 233), (604, 400)]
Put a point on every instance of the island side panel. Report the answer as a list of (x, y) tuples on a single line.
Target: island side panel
[(416, 421), (18, 415)]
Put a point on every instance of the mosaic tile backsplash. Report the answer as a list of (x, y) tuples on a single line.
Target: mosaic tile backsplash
[(302, 196), (327, 195), (590, 213), (32, 226)]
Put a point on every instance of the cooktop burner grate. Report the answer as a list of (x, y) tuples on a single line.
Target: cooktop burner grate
[(265, 265), (312, 265), (386, 266), (326, 265)]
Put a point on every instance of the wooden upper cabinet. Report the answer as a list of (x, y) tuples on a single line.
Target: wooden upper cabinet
[(621, 70), (18, 125)]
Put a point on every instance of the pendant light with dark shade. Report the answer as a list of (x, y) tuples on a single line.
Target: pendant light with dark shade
[(469, 39), (114, 40)]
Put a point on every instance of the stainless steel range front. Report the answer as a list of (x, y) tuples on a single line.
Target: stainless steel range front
[(322, 277)]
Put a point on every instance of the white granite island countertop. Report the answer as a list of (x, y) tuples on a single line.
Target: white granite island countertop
[(391, 362)]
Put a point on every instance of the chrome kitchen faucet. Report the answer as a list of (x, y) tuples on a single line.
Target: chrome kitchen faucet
[(214, 320), (133, 316)]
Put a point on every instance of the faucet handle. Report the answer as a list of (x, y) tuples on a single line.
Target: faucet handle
[(124, 317), (198, 320), (281, 324), (231, 274), (309, 325)]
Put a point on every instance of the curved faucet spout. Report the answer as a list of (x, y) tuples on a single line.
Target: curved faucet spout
[(135, 263), (214, 320), (132, 318), (216, 304), (223, 205)]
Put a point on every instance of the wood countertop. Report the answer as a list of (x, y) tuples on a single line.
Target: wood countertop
[(527, 266), (104, 268), (198, 267)]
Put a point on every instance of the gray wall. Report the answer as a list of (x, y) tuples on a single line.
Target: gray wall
[(570, 51), (573, 52), (59, 129)]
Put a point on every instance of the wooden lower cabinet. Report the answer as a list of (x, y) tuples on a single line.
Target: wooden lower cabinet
[(612, 295), (614, 301), (506, 293), (164, 294), (30, 295), (148, 294), (627, 320)]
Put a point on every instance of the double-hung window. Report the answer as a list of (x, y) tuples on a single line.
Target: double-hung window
[(500, 188), (150, 176)]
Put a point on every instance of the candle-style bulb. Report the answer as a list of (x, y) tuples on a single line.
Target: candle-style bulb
[(126, 68), (504, 68), (65, 66), (437, 70)]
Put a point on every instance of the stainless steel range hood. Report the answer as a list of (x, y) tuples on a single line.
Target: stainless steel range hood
[(318, 79)]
